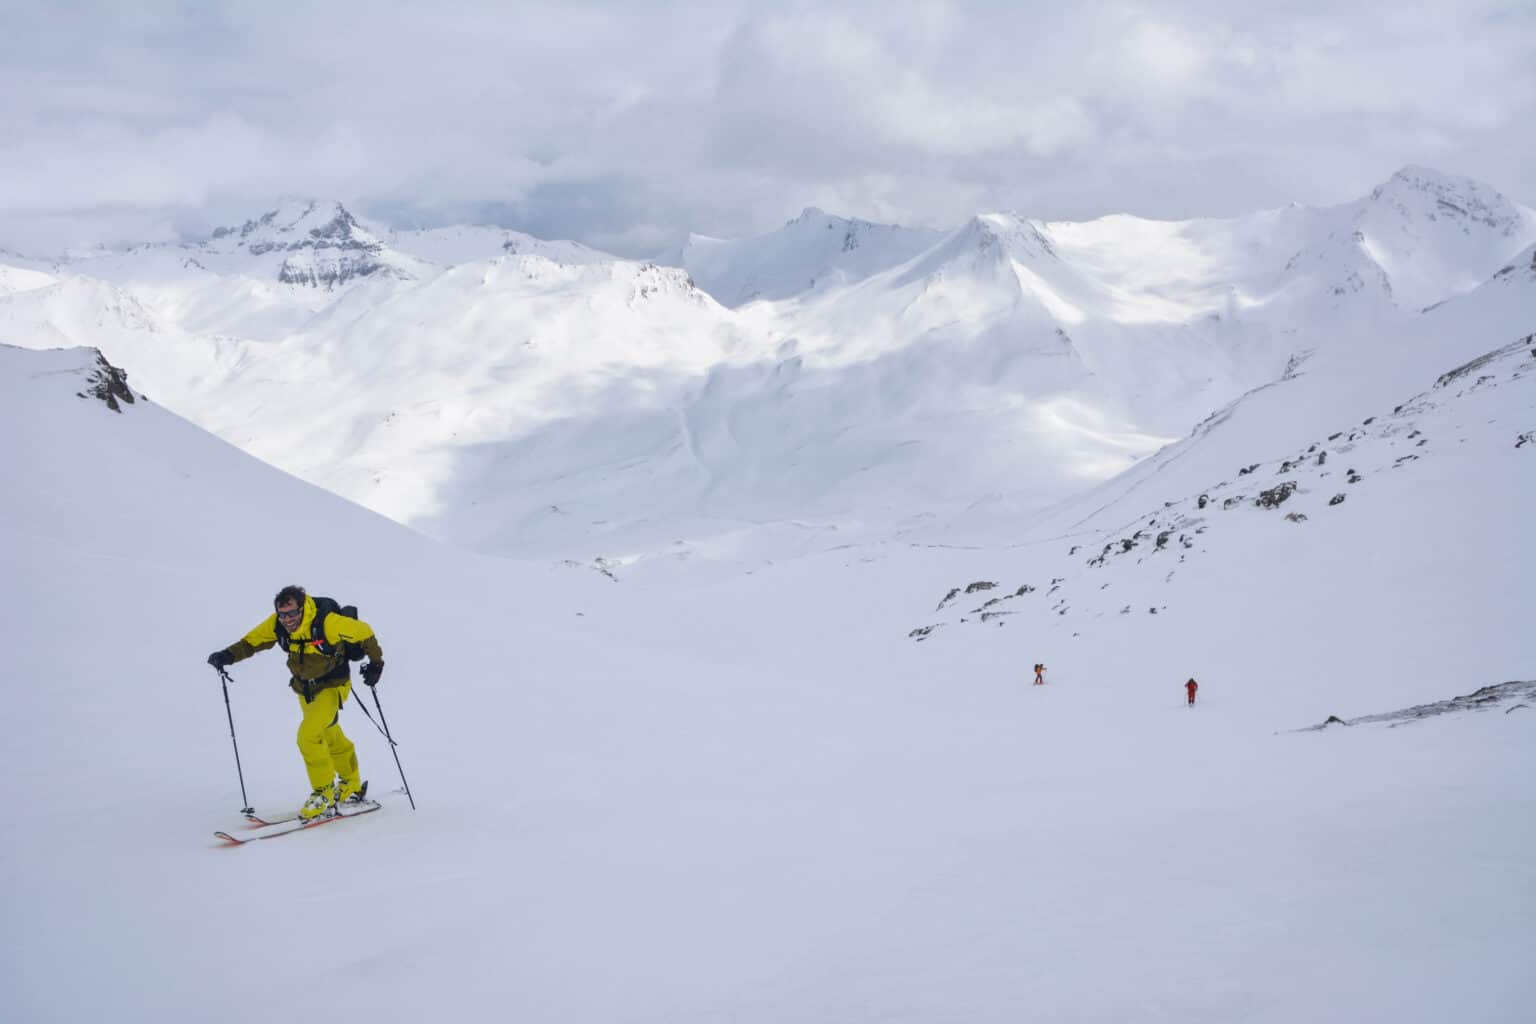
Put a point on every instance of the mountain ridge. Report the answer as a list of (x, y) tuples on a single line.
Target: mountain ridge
[(923, 372)]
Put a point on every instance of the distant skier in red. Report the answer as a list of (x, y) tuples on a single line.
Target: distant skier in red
[(1190, 688), (1039, 675)]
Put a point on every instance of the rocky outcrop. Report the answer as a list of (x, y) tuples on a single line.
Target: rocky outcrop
[(1509, 696), (1275, 496), (108, 384), (1372, 444), (328, 269)]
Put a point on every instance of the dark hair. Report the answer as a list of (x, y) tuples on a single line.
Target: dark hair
[(293, 592)]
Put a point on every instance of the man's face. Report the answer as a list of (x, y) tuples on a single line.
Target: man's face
[(289, 614)]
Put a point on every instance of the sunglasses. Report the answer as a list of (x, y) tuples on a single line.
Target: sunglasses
[(295, 614)]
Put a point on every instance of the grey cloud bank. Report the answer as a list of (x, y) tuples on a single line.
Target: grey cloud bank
[(626, 127)]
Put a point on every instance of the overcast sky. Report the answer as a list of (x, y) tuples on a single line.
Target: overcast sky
[(626, 125)]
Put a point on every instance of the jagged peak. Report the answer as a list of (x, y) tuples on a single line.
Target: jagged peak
[(300, 219), (1016, 234)]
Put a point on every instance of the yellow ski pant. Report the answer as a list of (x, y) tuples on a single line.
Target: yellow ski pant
[(326, 749)]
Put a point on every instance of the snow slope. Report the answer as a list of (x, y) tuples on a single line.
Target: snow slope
[(21, 279), (447, 247), (814, 251), (759, 799)]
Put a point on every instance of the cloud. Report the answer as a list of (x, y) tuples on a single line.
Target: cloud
[(631, 125)]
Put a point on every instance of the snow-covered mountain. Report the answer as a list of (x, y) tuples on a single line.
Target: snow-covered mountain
[(447, 247), (1435, 236), (313, 244), (814, 251), (823, 789), (533, 397), (1307, 456), (321, 245), (1421, 236)]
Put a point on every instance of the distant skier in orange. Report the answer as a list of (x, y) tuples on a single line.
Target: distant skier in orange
[(1190, 688), (1039, 675)]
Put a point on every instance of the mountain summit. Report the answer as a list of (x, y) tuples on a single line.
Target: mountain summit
[(815, 251), (1436, 235), (323, 245)]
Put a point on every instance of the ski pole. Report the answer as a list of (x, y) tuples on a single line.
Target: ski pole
[(392, 746), (369, 715), (224, 681)]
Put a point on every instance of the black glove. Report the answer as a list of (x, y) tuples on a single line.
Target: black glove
[(372, 671), (221, 659)]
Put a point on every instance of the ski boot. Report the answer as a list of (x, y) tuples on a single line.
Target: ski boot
[(321, 802), (350, 791)]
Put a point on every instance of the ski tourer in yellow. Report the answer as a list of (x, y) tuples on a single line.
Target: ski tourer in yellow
[(321, 641)]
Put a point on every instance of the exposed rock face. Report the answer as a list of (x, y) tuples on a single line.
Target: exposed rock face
[(1276, 495), (1524, 267), (108, 384), (325, 245), (328, 269), (1450, 376)]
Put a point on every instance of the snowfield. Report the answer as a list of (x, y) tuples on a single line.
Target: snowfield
[(713, 683)]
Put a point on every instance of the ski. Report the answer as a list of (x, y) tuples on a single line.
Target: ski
[(257, 821), (292, 825)]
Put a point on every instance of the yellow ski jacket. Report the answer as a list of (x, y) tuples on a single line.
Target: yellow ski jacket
[(311, 667)]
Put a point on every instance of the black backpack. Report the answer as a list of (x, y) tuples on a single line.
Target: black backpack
[(323, 607)]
